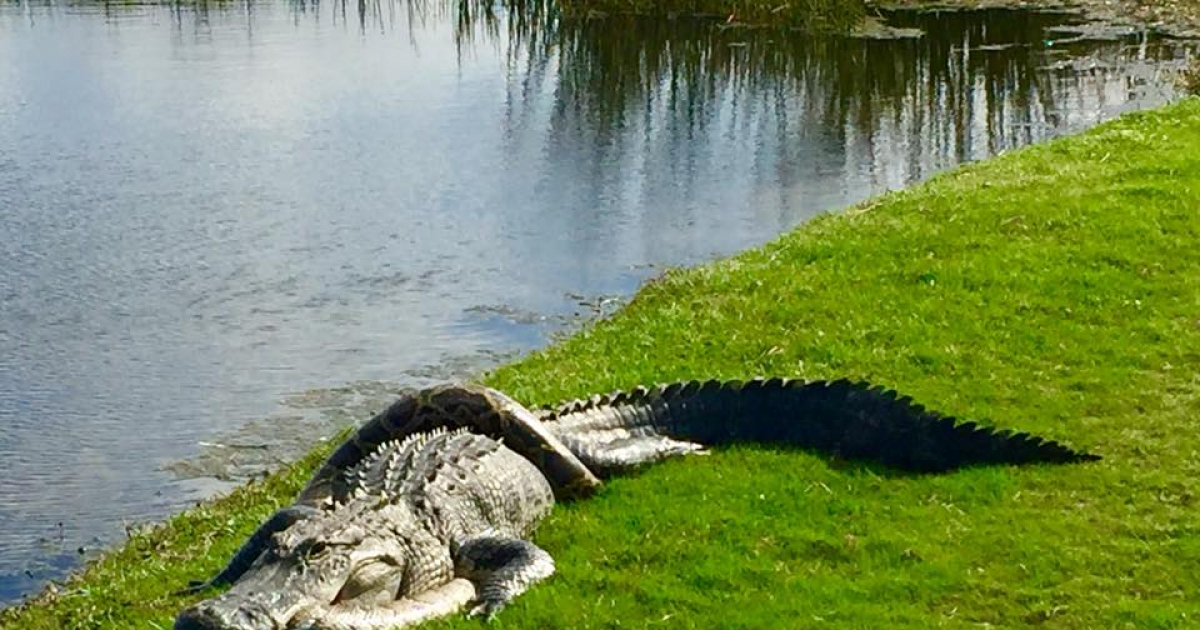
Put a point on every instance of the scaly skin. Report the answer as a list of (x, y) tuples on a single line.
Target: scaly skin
[(420, 515), (407, 522), (481, 409), (854, 420)]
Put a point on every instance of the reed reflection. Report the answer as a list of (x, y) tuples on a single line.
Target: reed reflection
[(895, 110)]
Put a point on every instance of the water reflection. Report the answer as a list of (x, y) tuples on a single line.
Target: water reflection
[(888, 112), (207, 206)]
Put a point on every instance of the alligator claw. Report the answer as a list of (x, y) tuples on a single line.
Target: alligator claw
[(487, 610)]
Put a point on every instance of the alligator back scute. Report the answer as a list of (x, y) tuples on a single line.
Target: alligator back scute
[(481, 409)]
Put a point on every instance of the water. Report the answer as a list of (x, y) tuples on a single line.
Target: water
[(204, 211)]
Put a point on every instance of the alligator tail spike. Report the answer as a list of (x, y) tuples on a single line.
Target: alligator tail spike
[(853, 420)]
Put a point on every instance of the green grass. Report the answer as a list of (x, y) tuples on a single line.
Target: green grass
[(1055, 289)]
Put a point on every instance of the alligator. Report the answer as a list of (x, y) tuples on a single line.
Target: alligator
[(427, 509)]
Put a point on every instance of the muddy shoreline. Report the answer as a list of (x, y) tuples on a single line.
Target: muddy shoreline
[(1106, 19)]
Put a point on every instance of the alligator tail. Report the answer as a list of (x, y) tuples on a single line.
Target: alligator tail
[(852, 420)]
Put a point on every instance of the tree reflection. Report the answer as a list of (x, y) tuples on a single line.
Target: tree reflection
[(975, 84)]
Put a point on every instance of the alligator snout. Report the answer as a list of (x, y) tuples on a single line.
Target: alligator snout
[(212, 615)]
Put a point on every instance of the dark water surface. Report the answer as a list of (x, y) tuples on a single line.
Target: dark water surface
[(203, 212)]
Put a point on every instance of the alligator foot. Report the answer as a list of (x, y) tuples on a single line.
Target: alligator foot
[(502, 568)]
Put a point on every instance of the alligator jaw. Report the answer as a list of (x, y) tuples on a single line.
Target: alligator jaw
[(210, 615), (266, 612)]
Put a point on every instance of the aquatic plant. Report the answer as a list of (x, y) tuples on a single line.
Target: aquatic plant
[(817, 15)]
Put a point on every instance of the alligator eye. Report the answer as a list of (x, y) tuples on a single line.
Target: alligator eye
[(317, 549)]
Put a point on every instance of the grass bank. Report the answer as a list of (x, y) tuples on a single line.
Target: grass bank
[(814, 15), (1055, 289)]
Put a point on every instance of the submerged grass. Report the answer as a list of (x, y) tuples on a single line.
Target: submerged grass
[(1055, 289), (813, 15)]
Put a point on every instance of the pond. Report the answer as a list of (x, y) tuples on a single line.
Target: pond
[(229, 229)]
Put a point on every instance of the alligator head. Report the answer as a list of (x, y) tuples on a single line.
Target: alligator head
[(353, 555)]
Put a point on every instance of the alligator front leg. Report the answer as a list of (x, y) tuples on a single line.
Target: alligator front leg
[(502, 568), (435, 603)]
